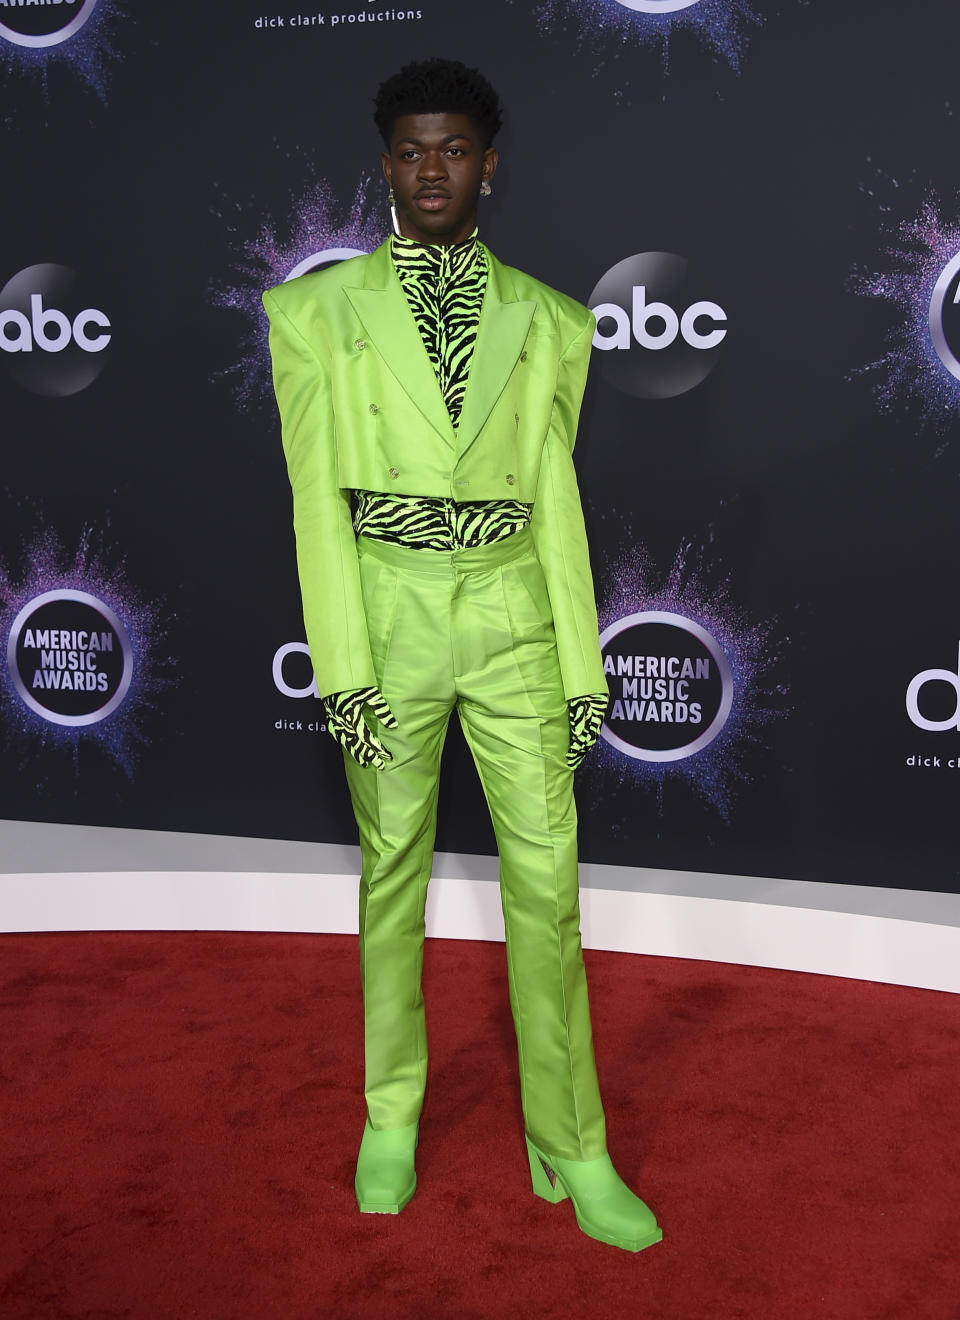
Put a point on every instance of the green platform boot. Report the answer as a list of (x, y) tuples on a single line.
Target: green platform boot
[(386, 1177), (605, 1207)]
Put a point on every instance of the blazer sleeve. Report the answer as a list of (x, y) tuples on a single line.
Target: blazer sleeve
[(333, 613), (559, 532)]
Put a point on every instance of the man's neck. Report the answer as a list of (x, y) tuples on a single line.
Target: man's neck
[(438, 243)]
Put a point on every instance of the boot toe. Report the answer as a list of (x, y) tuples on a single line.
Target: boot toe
[(605, 1207), (386, 1177)]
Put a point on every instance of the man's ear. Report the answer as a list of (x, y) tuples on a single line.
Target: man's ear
[(491, 159)]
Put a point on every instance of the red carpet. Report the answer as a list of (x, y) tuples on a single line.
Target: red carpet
[(180, 1115)]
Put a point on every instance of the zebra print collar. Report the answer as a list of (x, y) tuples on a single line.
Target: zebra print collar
[(444, 263)]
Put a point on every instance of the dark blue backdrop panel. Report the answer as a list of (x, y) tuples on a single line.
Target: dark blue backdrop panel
[(759, 200)]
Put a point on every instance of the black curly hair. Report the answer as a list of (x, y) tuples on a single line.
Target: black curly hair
[(437, 86)]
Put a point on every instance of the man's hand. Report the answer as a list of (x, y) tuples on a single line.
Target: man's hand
[(346, 724), (586, 716)]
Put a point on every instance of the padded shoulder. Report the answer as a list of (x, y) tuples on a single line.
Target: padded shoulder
[(571, 316), (318, 285)]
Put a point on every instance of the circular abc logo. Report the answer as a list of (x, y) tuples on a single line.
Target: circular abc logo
[(671, 689), (945, 316), (43, 22), (52, 342), (658, 340), (70, 657), (657, 6), (302, 667), (321, 260), (941, 699)]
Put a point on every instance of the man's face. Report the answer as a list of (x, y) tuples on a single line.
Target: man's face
[(435, 166)]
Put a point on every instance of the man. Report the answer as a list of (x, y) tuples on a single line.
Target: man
[(429, 397)]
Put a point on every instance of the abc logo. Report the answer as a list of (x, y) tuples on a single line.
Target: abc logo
[(321, 260), (283, 679), (52, 343), (657, 6), (943, 701), (44, 24), (945, 316), (657, 340)]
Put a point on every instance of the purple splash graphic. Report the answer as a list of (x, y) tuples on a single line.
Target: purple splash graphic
[(633, 584), (86, 49), (93, 570), (722, 26), (318, 231), (911, 370)]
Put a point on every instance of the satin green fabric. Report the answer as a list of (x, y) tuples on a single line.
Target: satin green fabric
[(362, 410), (473, 629)]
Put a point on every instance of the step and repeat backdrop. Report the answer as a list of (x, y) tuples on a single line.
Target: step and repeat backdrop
[(760, 202)]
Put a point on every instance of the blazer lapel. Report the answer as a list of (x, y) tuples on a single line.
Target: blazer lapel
[(502, 330), (386, 316)]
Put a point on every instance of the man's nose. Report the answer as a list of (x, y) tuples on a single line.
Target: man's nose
[(432, 166)]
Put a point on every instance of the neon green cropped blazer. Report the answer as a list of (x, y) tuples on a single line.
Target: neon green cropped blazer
[(361, 409)]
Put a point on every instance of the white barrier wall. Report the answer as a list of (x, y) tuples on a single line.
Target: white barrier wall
[(65, 878)]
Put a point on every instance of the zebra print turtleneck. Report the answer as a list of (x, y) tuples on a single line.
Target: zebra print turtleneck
[(444, 286)]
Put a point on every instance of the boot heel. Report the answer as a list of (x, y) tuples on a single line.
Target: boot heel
[(546, 1184), (605, 1207)]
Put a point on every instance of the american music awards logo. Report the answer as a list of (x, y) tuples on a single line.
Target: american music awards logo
[(75, 33), (316, 231), (694, 682), (70, 657), (722, 26), (920, 282), (81, 652), (670, 682)]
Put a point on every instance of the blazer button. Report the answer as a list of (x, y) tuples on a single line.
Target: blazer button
[(523, 356), (359, 345), (394, 473), (510, 479), (374, 408)]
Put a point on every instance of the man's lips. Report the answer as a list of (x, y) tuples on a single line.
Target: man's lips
[(432, 201)]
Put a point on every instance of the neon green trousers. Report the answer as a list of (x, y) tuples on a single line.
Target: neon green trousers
[(472, 629)]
